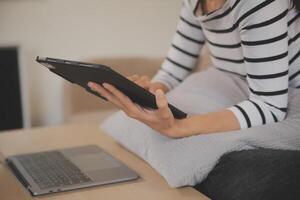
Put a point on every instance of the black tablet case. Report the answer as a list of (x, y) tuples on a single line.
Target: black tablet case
[(81, 73)]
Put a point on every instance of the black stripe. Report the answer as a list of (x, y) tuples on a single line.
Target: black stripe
[(225, 45), (266, 23), (266, 59), (293, 19), (291, 40), (274, 117), (267, 41), (269, 76), (226, 12), (294, 58), (245, 115), (263, 118), (189, 38), (281, 109), (172, 75), (179, 65), (228, 60), (185, 52), (273, 93), (293, 6), (247, 14), (292, 77), (191, 24), (298, 87)]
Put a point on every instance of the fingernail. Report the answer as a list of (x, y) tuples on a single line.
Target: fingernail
[(105, 85), (90, 84), (159, 92)]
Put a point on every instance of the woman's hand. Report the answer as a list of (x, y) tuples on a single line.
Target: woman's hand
[(161, 119), (145, 82)]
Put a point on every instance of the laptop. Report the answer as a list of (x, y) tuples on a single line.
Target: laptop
[(68, 169)]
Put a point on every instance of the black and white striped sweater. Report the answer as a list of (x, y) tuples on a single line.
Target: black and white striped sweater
[(257, 39)]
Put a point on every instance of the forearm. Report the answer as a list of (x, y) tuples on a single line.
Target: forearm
[(214, 122)]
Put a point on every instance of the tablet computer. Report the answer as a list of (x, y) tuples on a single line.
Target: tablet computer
[(81, 73)]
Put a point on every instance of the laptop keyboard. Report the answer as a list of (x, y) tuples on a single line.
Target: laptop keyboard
[(52, 169)]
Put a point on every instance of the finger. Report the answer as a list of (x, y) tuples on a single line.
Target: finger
[(113, 99), (163, 111), (128, 105), (152, 90), (103, 92), (143, 82), (134, 77), (145, 78), (97, 88)]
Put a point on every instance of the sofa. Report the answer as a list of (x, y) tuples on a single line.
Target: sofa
[(251, 174)]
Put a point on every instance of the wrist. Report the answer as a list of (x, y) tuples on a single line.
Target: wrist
[(189, 126), (179, 129)]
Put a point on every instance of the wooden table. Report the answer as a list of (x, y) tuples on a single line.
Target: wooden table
[(150, 186)]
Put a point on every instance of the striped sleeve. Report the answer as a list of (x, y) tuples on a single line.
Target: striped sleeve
[(184, 51), (263, 32)]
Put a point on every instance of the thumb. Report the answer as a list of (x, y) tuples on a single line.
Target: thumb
[(161, 99), (162, 104)]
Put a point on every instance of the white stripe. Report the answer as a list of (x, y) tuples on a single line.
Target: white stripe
[(182, 58), (239, 53), (239, 116)]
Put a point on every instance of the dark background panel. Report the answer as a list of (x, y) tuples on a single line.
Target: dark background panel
[(10, 96)]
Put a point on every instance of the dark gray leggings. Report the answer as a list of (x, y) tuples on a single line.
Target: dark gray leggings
[(261, 174)]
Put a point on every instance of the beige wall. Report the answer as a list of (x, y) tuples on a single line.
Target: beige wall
[(78, 29)]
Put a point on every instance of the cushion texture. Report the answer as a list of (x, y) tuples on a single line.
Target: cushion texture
[(187, 161)]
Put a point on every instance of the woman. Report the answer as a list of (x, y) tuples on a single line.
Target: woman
[(256, 40)]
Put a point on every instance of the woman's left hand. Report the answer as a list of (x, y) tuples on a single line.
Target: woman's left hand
[(161, 119)]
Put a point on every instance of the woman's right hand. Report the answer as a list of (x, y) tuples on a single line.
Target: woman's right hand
[(145, 83)]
